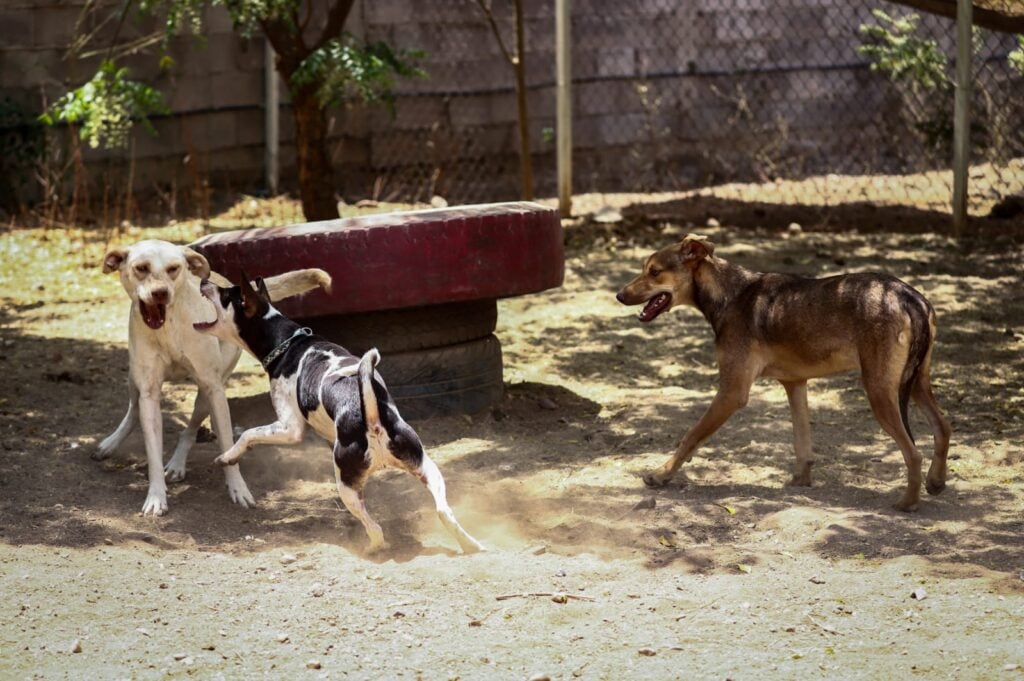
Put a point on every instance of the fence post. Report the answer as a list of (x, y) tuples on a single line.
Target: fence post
[(563, 80), (271, 128), (962, 116)]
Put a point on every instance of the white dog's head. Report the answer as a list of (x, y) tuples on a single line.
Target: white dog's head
[(152, 272)]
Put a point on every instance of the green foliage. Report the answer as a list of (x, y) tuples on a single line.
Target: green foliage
[(897, 50), (1016, 58), (247, 14), (106, 107), (341, 69)]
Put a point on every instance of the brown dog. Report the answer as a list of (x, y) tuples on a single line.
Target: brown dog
[(791, 329)]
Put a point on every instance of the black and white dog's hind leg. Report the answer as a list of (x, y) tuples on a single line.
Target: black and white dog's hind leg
[(390, 441)]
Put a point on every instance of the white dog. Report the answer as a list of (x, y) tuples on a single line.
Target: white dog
[(162, 281)]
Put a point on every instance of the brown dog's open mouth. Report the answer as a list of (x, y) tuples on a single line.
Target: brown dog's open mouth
[(655, 306), (154, 315)]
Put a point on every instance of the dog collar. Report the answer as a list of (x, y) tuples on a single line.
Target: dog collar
[(280, 349)]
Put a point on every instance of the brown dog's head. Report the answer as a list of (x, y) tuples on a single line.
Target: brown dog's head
[(667, 277)]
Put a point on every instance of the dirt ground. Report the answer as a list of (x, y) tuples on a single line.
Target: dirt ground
[(726, 573)]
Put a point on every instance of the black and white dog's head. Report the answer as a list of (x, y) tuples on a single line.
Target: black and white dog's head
[(241, 313)]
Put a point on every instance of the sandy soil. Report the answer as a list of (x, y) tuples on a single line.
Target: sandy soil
[(724, 574)]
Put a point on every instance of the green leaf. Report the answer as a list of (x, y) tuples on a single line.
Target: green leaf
[(744, 568)]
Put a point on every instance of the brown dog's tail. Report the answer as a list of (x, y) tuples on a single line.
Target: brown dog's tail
[(922, 321), (371, 410)]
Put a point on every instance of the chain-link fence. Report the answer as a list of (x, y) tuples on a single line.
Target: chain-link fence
[(812, 102), (728, 107)]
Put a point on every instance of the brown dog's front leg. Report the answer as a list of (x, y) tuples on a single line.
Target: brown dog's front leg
[(726, 403)]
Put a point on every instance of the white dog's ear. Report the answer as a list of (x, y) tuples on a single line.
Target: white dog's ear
[(197, 264), (113, 260)]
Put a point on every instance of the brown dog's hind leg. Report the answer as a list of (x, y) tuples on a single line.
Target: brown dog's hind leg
[(923, 397), (797, 395), (883, 394), (729, 400)]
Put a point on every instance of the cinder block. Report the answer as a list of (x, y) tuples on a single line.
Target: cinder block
[(413, 113), (616, 61), (483, 110), (22, 68), (54, 26), (16, 28), (191, 93), (237, 88), (390, 12)]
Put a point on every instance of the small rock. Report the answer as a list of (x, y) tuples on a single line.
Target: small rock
[(108, 541), (607, 215), (76, 646), (919, 593), (438, 202), (209, 646), (794, 229), (713, 222), (144, 632), (542, 549), (178, 657), (539, 677), (1011, 667), (647, 652), (816, 580), (281, 638), (560, 598), (547, 403), (313, 664), (288, 559), (317, 590), (645, 504)]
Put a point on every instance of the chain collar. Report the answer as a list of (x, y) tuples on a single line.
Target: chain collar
[(280, 349)]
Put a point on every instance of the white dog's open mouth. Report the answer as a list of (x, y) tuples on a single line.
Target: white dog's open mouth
[(154, 315), (655, 306)]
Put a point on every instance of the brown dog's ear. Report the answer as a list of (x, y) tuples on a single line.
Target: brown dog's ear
[(197, 264), (695, 248), (113, 260), (250, 298)]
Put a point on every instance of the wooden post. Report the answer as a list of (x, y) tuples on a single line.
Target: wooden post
[(563, 80), (271, 127), (962, 116)]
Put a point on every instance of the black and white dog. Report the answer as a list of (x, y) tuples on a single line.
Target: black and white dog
[(340, 395)]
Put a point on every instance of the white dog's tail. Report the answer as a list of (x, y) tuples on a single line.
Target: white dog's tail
[(371, 410)]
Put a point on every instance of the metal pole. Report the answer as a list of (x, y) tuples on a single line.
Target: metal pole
[(563, 80), (962, 115), (271, 127)]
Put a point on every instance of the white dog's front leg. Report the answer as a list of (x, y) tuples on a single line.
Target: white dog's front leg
[(127, 425), (175, 468), (221, 416), (153, 435)]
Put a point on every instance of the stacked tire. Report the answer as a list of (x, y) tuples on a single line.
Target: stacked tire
[(422, 287)]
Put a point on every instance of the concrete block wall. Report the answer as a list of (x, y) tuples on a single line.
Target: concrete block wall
[(658, 83)]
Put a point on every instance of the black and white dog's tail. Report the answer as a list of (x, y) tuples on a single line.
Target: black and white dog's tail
[(371, 410)]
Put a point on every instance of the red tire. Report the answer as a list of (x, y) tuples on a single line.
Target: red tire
[(402, 260)]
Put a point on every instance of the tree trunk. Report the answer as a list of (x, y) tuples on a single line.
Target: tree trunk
[(316, 177)]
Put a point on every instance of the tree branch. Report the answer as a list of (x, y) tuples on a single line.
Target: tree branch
[(485, 7), (336, 19), (983, 16)]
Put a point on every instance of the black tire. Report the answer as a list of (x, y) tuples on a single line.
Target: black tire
[(405, 330), (455, 379)]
